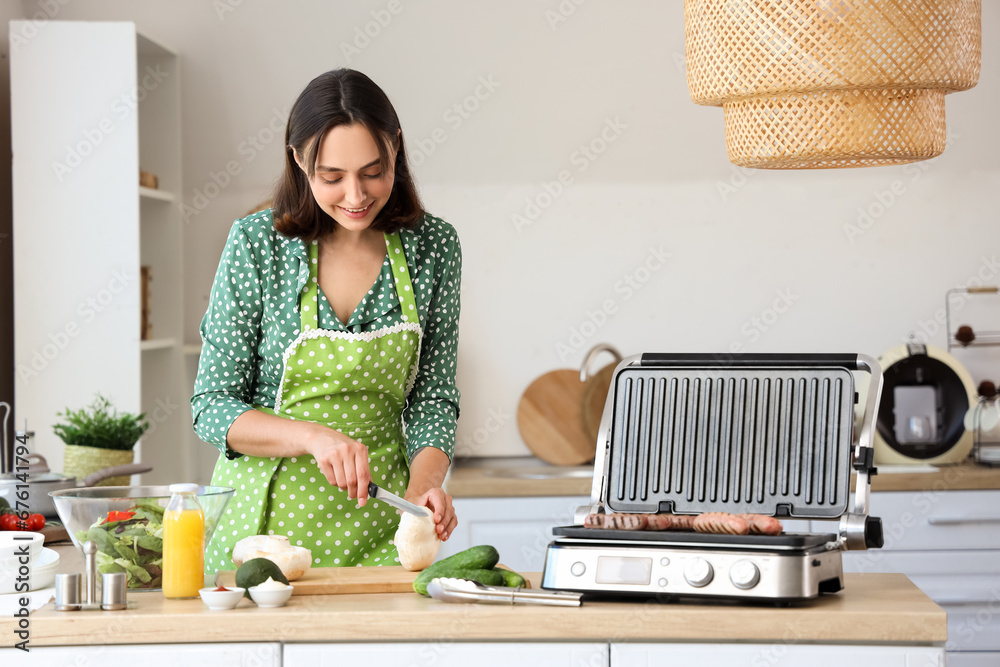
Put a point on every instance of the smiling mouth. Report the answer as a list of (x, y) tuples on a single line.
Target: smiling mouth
[(357, 210)]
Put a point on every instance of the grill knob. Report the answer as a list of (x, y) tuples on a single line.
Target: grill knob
[(744, 574), (698, 572)]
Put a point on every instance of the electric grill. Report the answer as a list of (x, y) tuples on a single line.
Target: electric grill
[(688, 434)]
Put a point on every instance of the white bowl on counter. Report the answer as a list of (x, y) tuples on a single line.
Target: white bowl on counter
[(13, 541), (270, 597), (41, 572), (217, 600)]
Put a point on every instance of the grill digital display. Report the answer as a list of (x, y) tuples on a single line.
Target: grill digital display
[(623, 570)]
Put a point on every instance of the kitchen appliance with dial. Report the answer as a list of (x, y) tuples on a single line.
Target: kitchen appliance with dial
[(689, 434)]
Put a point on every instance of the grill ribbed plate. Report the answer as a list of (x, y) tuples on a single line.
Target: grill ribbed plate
[(763, 440)]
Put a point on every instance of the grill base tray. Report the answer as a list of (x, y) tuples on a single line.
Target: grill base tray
[(679, 570)]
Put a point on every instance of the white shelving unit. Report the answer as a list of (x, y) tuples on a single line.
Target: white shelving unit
[(91, 104)]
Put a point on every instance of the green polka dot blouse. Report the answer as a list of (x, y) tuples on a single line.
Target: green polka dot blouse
[(253, 316)]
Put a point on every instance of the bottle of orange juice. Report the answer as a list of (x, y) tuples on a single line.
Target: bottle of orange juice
[(183, 543)]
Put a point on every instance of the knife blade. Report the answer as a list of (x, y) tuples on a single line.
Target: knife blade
[(378, 493)]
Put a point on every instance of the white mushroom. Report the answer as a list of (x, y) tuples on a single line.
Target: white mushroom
[(292, 561), (416, 541)]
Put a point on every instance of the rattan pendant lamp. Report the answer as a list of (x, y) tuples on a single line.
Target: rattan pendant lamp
[(814, 84)]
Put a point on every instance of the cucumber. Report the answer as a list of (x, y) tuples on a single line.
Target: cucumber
[(488, 577), (511, 579), (482, 557)]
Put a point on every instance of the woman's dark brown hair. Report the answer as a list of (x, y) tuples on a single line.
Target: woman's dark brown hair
[(341, 97)]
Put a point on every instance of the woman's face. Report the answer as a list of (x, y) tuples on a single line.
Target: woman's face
[(349, 183)]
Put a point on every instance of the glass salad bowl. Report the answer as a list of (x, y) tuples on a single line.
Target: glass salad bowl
[(126, 522)]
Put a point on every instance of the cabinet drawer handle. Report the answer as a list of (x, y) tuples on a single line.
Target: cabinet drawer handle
[(951, 521)]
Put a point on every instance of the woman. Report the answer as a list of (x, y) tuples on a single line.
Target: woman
[(333, 323)]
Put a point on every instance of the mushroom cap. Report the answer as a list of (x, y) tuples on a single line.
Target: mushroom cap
[(293, 561)]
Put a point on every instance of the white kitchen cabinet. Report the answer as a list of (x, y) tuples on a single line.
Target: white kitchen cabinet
[(948, 544), (781, 654), (447, 653), (520, 528), (91, 104), (148, 655)]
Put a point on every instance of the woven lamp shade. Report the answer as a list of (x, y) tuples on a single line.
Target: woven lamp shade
[(814, 84)]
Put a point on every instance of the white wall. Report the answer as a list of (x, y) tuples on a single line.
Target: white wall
[(737, 240)]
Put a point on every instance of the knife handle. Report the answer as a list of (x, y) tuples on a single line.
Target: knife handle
[(372, 489)]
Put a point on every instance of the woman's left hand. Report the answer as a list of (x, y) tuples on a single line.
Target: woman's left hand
[(440, 505)]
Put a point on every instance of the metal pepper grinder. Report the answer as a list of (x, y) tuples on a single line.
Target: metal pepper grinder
[(90, 573)]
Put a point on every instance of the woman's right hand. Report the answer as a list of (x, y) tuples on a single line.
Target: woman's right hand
[(342, 460)]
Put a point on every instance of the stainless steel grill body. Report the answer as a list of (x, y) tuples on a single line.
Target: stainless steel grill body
[(690, 434)]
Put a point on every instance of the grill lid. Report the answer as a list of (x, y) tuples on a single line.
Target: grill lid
[(772, 438)]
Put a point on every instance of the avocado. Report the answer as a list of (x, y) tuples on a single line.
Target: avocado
[(256, 571)]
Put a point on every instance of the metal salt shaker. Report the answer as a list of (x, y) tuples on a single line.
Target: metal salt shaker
[(68, 592), (113, 591)]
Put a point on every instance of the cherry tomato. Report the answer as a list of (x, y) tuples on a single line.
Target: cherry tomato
[(8, 522), (36, 522)]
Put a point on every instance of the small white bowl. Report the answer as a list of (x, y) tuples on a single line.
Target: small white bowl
[(13, 541), (270, 598), (41, 572), (221, 599)]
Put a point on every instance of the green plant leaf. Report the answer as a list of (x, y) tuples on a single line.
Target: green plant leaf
[(101, 425)]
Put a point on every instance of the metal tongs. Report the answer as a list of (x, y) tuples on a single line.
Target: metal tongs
[(448, 589)]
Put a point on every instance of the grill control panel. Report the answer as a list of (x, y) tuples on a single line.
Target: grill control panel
[(649, 570)]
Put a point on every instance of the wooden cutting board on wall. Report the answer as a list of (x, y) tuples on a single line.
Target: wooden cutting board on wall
[(550, 422), (342, 580)]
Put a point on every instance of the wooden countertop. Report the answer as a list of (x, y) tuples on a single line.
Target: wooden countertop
[(873, 608), (488, 479)]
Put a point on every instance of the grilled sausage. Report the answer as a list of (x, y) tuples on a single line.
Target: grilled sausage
[(669, 522), (761, 524), (721, 523), (616, 521)]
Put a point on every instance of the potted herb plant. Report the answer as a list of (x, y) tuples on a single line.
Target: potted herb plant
[(99, 437)]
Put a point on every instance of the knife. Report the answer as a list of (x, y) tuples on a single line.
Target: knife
[(378, 493)]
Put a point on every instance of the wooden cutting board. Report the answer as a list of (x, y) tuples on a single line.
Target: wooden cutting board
[(550, 421), (342, 580), (55, 532)]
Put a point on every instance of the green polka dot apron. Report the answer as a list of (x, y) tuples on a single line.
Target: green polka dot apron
[(356, 384)]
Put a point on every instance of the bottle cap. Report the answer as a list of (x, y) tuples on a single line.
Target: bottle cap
[(183, 488)]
